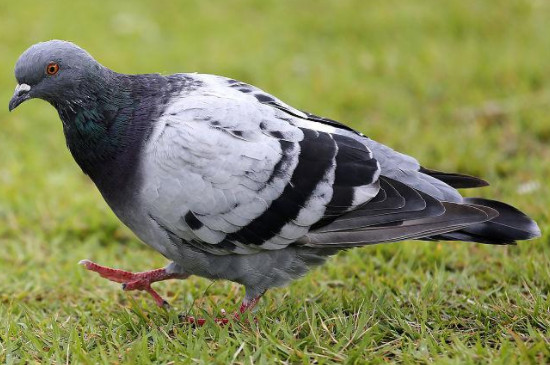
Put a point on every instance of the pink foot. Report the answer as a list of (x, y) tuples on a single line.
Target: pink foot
[(134, 281), (199, 322), (247, 306), (222, 321)]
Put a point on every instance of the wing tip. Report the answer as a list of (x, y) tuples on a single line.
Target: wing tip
[(456, 180)]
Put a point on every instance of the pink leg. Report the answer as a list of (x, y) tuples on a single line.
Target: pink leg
[(245, 306), (134, 281)]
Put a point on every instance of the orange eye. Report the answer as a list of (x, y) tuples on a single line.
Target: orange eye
[(52, 68)]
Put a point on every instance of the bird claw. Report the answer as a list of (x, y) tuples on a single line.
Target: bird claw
[(132, 281), (86, 263)]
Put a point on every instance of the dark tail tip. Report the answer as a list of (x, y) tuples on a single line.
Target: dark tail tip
[(509, 226)]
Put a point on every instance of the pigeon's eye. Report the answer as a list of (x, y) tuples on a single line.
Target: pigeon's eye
[(52, 68)]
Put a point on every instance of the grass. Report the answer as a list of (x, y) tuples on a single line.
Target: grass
[(461, 85)]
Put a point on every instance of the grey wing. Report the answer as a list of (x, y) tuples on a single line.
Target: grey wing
[(231, 175), (393, 164), (413, 202)]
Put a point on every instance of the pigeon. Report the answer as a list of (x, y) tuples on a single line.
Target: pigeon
[(229, 182)]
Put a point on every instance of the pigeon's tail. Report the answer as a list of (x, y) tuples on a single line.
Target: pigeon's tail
[(400, 213), (509, 226)]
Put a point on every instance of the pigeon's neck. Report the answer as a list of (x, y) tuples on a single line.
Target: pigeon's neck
[(107, 121)]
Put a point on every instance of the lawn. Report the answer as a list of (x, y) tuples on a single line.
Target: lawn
[(461, 85)]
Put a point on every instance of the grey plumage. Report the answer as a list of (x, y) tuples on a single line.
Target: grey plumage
[(229, 182)]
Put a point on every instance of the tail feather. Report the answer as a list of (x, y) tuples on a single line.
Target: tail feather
[(509, 226)]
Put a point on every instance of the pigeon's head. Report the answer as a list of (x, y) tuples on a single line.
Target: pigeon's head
[(52, 71)]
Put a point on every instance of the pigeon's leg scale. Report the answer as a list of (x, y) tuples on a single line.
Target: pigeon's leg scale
[(135, 281)]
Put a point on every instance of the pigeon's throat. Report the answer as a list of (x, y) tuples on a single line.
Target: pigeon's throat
[(94, 136)]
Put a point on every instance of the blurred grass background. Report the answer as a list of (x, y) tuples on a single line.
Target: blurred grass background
[(461, 85)]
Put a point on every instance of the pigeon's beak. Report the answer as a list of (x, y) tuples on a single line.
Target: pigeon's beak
[(20, 94)]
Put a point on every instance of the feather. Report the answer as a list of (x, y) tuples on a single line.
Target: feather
[(507, 227), (457, 181), (456, 216), (417, 205)]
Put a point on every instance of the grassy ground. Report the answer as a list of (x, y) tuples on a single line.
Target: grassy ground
[(462, 85)]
